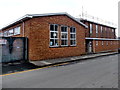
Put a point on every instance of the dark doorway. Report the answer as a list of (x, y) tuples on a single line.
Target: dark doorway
[(89, 46)]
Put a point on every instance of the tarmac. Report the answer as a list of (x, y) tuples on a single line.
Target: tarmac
[(22, 66), (49, 62)]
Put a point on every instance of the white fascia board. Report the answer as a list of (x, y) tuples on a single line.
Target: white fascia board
[(100, 39), (19, 19)]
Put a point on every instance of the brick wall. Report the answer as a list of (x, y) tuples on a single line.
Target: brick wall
[(107, 46), (38, 33), (105, 33), (39, 38)]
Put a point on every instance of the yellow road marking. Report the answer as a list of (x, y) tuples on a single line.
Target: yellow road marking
[(34, 69)]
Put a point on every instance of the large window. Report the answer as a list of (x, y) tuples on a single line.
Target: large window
[(72, 36), (16, 30), (10, 32), (53, 35), (64, 36)]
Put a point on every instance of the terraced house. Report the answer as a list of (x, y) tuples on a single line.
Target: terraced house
[(54, 35)]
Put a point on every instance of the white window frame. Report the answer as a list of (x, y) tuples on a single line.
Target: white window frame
[(73, 33), (107, 43), (54, 37), (102, 43), (5, 32), (16, 29), (9, 32), (111, 43), (91, 28), (101, 31), (1, 34), (64, 33), (96, 43), (97, 29)]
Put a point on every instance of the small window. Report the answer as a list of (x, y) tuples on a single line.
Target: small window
[(101, 31), (112, 30), (107, 43), (73, 36), (64, 36), (96, 28), (91, 28), (1, 34), (6, 34), (53, 35), (102, 43), (16, 30), (96, 43), (10, 32)]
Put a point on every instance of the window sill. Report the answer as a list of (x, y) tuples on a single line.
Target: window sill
[(62, 46)]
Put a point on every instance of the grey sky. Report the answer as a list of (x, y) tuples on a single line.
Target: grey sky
[(13, 9)]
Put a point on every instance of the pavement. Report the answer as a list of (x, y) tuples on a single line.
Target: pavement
[(48, 62)]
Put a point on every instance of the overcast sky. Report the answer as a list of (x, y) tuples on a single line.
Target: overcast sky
[(13, 9)]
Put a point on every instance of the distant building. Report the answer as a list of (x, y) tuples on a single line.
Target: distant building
[(99, 37)]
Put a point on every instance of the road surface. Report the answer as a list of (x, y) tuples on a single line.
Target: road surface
[(99, 72)]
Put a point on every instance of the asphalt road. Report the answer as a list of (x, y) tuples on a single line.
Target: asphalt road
[(99, 72)]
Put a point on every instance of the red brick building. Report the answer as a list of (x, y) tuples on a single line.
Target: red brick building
[(60, 35), (100, 37), (49, 35)]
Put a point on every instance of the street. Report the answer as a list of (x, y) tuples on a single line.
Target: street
[(101, 72)]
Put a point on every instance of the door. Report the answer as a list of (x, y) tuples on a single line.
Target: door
[(89, 46)]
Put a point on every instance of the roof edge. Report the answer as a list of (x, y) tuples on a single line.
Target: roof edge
[(28, 16)]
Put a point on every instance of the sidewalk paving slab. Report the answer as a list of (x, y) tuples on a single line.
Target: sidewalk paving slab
[(48, 62)]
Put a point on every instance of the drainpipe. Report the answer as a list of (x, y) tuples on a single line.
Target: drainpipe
[(23, 24)]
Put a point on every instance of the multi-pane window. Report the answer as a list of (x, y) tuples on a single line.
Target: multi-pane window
[(53, 35), (64, 36), (73, 36), (16, 30), (91, 29), (10, 32)]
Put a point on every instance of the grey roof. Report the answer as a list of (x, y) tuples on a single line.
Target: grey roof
[(28, 16), (81, 19)]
